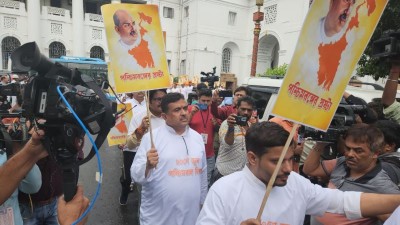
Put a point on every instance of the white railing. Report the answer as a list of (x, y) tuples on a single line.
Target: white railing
[(56, 11), (95, 17), (9, 4)]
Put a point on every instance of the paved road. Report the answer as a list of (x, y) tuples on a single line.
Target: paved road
[(107, 210)]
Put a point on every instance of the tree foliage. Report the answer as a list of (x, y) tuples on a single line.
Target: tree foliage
[(277, 71), (390, 20)]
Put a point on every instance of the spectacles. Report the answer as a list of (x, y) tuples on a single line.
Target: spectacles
[(157, 99)]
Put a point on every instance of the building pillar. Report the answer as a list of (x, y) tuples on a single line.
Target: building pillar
[(78, 36), (33, 21)]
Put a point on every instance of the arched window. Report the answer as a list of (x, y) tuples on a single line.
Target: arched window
[(226, 60), (8, 45), (56, 49), (97, 52)]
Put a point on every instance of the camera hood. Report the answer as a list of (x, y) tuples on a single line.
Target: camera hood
[(28, 57)]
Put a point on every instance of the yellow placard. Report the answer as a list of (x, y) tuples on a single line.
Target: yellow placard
[(334, 35), (118, 133), (136, 45)]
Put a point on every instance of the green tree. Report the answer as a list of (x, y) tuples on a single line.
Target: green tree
[(277, 71), (390, 20)]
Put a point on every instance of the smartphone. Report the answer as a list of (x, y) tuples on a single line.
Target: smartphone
[(202, 107), (241, 120), (225, 93)]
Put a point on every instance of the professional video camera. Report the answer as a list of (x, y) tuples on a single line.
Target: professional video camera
[(210, 77), (388, 46), (344, 117), (42, 100)]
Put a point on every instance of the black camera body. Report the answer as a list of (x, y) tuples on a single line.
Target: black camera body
[(210, 77), (388, 46), (344, 117), (42, 100), (241, 120)]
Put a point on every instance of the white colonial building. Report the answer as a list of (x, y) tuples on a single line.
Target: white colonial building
[(200, 34)]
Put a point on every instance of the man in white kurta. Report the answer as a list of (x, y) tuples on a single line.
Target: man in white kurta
[(173, 188), (236, 198)]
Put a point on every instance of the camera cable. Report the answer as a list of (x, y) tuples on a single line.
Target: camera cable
[(97, 156)]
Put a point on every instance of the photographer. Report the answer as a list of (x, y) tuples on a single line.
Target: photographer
[(359, 170), (391, 107), (222, 113), (232, 154)]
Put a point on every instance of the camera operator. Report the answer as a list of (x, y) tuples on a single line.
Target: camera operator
[(222, 113), (232, 155), (31, 182), (391, 107), (358, 170), (13, 171)]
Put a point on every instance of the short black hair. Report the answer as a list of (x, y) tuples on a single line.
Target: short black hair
[(390, 130), (201, 86), (116, 18), (264, 135), (247, 90), (368, 134), (204, 92), (249, 100), (153, 92), (170, 98)]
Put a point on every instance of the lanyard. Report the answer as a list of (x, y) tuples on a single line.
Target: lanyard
[(204, 123)]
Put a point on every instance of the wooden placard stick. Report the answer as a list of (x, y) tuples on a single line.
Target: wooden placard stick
[(149, 116), (277, 168)]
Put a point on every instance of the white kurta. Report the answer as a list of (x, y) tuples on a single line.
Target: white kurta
[(237, 197), (173, 191)]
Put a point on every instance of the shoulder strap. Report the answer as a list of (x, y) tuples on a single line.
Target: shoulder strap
[(393, 172)]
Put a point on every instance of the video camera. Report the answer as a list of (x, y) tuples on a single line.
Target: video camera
[(42, 100), (210, 77), (388, 46), (344, 117)]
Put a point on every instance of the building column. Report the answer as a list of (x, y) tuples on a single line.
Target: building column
[(33, 21), (78, 31)]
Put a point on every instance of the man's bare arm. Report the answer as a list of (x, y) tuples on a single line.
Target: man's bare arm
[(14, 170)]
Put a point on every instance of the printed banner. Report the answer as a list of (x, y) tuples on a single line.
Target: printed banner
[(136, 45), (334, 35), (117, 134)]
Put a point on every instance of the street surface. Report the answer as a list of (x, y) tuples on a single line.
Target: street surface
[(107, 210)]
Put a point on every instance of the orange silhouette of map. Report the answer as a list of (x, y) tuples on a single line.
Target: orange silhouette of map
[(142, 52), (330, 54), (121, 126)]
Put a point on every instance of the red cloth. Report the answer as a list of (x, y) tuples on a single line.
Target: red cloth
[(223, 112), (197, 123)]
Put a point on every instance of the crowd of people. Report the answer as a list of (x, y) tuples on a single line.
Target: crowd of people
[(209, 163)]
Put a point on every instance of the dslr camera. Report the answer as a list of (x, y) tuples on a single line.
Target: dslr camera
[(241, 120)]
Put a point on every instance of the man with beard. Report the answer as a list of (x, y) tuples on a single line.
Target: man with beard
[(236, 199), (232, 155), (358, 170), (171, 166)]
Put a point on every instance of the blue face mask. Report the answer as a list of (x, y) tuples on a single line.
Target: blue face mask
[(202, 107)]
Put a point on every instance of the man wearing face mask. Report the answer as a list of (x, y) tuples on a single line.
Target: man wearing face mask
[(202, 121)]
